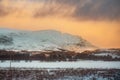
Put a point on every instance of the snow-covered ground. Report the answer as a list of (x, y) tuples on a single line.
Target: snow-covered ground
[(74, 64)]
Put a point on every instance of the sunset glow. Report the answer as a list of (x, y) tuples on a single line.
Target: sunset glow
[(98, 28)]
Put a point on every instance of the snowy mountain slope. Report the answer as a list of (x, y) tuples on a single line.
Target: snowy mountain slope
[(40, 40)]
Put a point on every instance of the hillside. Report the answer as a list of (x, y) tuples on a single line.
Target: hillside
[(40, 40)]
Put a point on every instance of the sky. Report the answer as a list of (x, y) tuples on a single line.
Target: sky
[(97, 21)]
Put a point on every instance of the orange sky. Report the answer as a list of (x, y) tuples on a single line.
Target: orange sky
[(102, 33)]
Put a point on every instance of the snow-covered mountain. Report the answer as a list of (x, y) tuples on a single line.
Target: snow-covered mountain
[(11, 39)]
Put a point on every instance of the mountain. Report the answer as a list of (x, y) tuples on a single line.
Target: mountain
[(11, 39)]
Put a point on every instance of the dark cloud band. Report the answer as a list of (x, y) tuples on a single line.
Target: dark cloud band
[(94, 9), (77, 9)]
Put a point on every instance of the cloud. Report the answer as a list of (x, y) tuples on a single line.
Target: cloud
[(99, 10), (76, 9), (3, 11), (93, 9)]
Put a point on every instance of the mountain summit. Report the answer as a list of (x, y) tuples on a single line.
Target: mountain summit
[(40, 40)]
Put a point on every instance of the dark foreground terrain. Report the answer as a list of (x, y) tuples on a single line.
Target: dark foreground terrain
[(59, 74), (62, 55)]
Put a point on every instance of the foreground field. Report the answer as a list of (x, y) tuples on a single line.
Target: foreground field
[(63, 70), (59, 74), (57, 65)]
